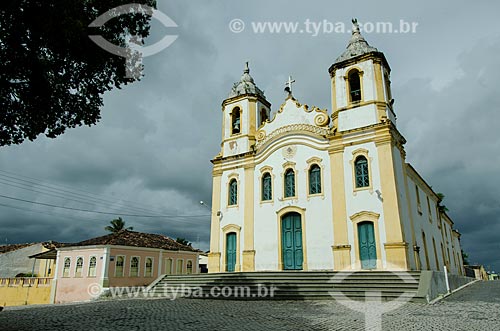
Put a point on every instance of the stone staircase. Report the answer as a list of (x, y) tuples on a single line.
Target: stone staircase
[(291, 285)]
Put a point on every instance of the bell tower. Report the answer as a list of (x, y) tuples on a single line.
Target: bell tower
[(244, 111), (361, 88)]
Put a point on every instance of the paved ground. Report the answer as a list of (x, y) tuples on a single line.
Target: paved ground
[(475, 308)]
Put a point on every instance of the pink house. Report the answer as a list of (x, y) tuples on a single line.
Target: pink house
[(126, 258)]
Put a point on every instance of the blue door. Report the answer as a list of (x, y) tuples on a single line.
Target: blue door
[(291, 241), (367, 245), (230, 251)]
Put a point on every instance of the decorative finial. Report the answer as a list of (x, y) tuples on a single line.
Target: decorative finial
[(288, 85), (247, 68), (355, 26)]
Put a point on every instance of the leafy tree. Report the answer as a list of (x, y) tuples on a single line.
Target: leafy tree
[(117, 225), (442, 208), (52, 76), (465, 258), (183, 241)]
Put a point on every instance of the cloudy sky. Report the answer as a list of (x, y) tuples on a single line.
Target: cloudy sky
[(150, 153)]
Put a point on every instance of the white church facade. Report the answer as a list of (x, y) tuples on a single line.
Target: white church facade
[(310, 189)]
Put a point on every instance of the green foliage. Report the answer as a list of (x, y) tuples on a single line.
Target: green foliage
[(465, 258), (183, 241), (442, 208), (52, 76), (117, 225), (26, 275)]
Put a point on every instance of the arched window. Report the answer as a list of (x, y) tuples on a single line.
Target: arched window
[(189, 267), (233, 192), (235, 121), (79, 267), (119, 266), (289, 183), (354, 86), (263, 116), (134, 267), (267, 190), (67, 266), (92, 266), (149, 267), (314, 179), (362, 176)]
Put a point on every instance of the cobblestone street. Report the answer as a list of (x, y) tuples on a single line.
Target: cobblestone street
[(476, 307)]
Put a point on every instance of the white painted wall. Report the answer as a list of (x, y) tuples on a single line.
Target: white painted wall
[(318, 215), (357, 117)]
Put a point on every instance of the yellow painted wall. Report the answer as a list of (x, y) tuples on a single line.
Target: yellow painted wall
[(24, 291)]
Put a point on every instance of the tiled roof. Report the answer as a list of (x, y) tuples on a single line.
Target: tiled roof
[(136, 239), (14, 247)]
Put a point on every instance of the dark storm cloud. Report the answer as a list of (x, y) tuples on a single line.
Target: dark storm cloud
[(151, 150), (456, 144)]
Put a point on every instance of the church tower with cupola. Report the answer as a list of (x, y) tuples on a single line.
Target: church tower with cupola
[(244, 111), (307, 190), (361, 87)]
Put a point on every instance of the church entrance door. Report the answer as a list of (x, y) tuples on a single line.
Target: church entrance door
[(231, 251), (291, 241), (367, 245)]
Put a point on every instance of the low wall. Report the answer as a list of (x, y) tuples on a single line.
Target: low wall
[(24, 291), (433, 284)]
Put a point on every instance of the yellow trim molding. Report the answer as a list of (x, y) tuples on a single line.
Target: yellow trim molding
[(355, 154), (286, 166), (230, 177), (310, 162)]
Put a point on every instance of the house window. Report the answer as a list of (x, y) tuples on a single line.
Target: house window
[(263, 116), (67, 266), (354, 86), (315, 179), (134, 267), (419, 207), (362, 176), (429, 209), (388, 87), (92, 266), (180, 267), (289, 183), (79, 267), (189, 267), (149, 267), (233, 192), (119, 266), (267, 190), (235, 121)]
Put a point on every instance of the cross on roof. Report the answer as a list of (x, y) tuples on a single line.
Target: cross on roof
[(288, 84)]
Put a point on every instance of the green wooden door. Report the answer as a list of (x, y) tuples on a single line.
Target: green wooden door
[(231, 251), (367, 245), (291, 242)]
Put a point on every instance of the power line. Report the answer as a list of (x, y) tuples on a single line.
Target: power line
[(72, 217), (99, 212), (92, 195), (60, 196)]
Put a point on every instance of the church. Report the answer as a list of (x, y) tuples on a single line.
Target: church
[(310, 189)]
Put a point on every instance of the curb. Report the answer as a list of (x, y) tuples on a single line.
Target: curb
[(452, 292)]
